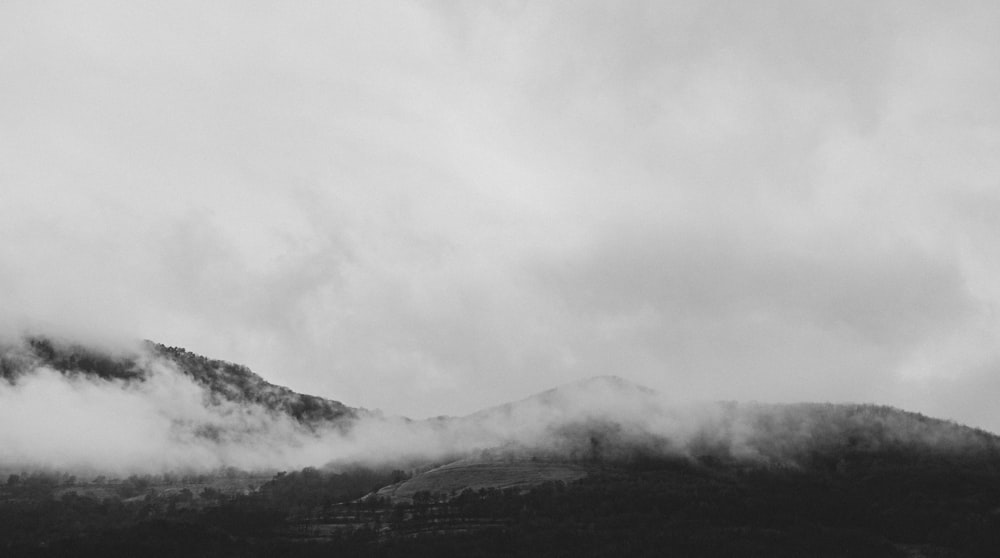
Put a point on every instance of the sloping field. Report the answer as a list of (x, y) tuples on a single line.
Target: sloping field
[(457, 476)]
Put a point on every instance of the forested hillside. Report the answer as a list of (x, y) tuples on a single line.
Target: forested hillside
[(223, 380)]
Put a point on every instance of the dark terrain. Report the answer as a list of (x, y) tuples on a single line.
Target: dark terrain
[(860, 480)]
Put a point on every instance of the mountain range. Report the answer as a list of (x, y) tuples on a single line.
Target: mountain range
[(597, 419), (196, 456)]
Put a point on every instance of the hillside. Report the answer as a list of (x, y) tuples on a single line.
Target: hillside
[(224, 381), (871, 503), (575, 430), (611, 419), (479, 474)]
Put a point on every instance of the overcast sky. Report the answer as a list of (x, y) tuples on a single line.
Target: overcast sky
[(432, 207)]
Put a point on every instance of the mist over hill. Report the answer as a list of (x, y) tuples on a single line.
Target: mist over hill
[(147, 407), (153, 408), (224, 381)]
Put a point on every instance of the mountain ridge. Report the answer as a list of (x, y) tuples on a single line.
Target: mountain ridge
[(222, 379), (593, 419)]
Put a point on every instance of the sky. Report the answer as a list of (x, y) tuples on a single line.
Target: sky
[(432, 207)]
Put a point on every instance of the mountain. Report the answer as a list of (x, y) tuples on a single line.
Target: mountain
[(609, 418), (223, 381), (601, 419)]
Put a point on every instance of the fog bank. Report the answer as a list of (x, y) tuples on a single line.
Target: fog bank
[(165, 421)]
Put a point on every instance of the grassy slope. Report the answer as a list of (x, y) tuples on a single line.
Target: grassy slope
[(475, 475)]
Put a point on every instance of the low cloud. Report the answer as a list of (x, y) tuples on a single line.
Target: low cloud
[(164, 421)]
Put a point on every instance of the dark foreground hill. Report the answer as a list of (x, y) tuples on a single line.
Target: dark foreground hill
[(875, 504)]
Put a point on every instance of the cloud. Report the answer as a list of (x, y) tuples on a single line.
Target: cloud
[(431, 208), (167, 422)]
